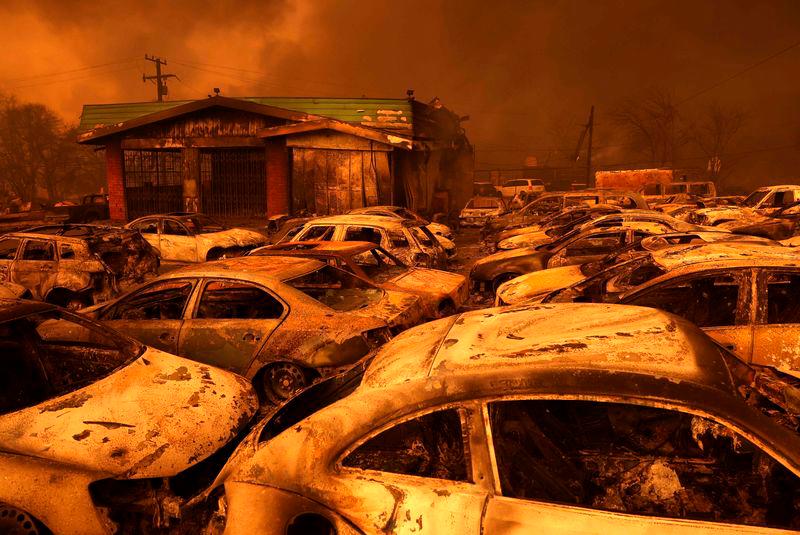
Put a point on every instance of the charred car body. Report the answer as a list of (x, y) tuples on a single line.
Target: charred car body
[(190, 237), (530, 419), (410, 241), (441, 293), (97, 430), (281, 323), (576, 247), (76, 265)]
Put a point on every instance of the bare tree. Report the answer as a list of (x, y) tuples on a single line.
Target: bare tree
[(653, 126), (714, 133), (37, 150)]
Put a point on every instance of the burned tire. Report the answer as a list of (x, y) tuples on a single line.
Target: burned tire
[(14, 521), (215, 254), (446, 308), (281, 381)]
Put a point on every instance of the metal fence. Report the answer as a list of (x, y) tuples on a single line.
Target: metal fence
[(153, 181), (234, 182)]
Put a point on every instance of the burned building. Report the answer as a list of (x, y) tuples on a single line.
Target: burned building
[(256, 157)]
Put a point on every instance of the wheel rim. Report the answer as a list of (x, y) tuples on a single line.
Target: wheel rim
[(14, 521), (282, 381)]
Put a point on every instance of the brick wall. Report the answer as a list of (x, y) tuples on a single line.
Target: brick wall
[(116, 189), (277, 177)]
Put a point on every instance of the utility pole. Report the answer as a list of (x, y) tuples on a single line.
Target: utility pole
[(590, 127), (160, 79)]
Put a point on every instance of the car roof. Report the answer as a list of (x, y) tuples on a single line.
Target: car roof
[(333, 248), (363, 219), (524, 341), (45, 236), (272, 268), (725, 253), (11, 309)]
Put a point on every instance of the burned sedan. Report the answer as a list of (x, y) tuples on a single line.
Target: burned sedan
[(529, 420), (190, 237), (98, 431), (399, 212), (538, 284), (76, 265), (743, 295), (441, 293), (576, 247), (410, 241), (281, 323)]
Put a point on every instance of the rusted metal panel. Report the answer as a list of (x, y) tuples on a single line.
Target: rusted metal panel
[(334, 181), (198, 142), (234, 182), (334, 140)]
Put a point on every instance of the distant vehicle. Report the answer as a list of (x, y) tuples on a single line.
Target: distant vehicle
[(511, 187), (557, 420), (410, 241), (281, 323), (76, 265), (771, 199), (480, 210), (441, 293), (92, 208), (114, 427), (191, 237)]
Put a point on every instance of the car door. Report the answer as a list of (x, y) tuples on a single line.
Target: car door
[(430, 461), (36, 267), (148, 228), (8, 252), (719, 302), (566, 466), (230, 323), (153, 314), (177, 243), (776, 334), (588, 248)]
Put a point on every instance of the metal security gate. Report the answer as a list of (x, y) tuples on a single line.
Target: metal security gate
[(153, 181), (233, 182)]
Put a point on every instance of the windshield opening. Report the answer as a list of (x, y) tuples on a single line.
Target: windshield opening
[(337, 289), (755, 198), (379, 265), (202, 224)]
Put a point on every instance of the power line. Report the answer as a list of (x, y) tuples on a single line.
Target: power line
[(71, 78), (739, 73), (70, 71), (159, 79)]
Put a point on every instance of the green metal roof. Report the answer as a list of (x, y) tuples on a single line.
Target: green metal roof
[(389, 113)]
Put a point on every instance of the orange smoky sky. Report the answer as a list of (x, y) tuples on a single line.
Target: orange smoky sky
[(521, 70)]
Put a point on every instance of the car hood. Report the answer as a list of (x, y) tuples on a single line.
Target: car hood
[(505, 255), (153, 417), (429, 281), (397, 309), (510, 233), (528, 239), (440, 229), (233, 237), (535, 284)]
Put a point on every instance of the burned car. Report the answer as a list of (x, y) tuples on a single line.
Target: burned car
[(282, 324), (576, 247), (598, 220), (551, 203), (481, 210), (441, 293), (191, 237), (529, 420), (538, 284), (743, 295), (410, 241), (76, 265), (99, 431), (399, 212), (559, 223)]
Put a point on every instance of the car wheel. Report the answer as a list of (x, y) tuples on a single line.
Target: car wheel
[(15, 521), (281, 381), (76, 303), (446, 308)]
